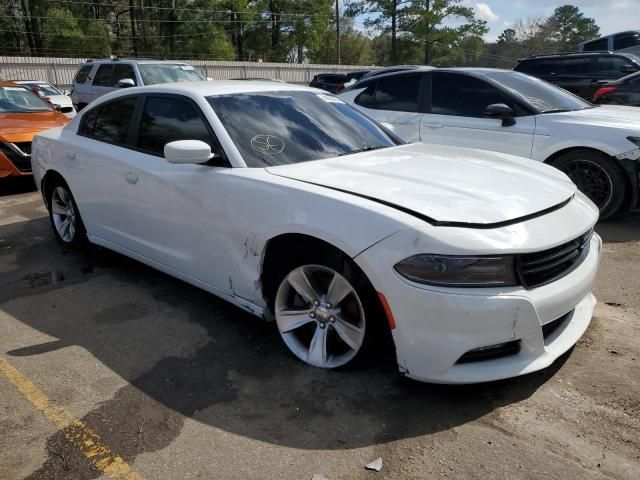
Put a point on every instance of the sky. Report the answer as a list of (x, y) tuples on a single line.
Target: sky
[(611, 15)]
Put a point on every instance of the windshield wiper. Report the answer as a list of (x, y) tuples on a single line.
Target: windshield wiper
[(360, 150)]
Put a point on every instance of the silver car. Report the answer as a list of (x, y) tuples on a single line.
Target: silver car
[(98, 77)]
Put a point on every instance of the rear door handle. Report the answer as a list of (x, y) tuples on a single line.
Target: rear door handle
[(71, 155), (433, 125), (131, 177)]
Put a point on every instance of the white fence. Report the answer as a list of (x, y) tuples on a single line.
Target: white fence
[(60, 71)]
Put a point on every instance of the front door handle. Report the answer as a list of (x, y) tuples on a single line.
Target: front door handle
[(71, 155), (131, 177), (433, 125)]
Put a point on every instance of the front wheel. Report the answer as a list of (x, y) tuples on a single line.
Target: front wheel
[(598, 176), (320, 315), (65, 218)]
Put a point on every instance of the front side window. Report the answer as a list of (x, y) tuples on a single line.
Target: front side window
[(122, 72), (21, 100), (154, 73), (285, 127), (83, 73), (109, 123), (612, 65), (462, 95), (166, 120), (542, 96), (104, 75)]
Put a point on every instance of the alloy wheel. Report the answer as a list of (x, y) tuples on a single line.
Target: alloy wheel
[(64, 214), (592, 180), (320, 316)]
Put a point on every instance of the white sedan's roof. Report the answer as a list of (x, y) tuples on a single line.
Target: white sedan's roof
[(220, 87)]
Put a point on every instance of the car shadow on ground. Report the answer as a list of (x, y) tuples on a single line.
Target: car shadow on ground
[(15, 185), (621, 228), (236, 376)]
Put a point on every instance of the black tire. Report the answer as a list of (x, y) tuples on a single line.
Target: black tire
[(75, 236), (377, 333), (598, 176)]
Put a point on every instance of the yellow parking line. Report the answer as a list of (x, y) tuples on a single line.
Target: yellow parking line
[(75, 431)]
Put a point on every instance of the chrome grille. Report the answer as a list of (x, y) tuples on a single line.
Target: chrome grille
[(539, 268)]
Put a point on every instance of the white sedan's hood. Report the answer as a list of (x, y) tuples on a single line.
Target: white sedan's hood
[(445, 184)]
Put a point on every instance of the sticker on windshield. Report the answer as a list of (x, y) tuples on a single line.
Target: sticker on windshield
[(14, 89), (267, 144), (186, 67), (329, 98)]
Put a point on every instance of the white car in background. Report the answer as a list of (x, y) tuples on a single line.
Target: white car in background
[(598, 147), (291, 204), (51, 94)]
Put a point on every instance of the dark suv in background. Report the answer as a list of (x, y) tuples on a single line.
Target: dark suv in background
[(580, 73), (331, 82)]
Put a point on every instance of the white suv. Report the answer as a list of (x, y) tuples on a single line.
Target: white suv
[(97, 77), (598, 147)]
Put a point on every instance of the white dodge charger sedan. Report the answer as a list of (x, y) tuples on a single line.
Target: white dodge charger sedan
[(293, 205)]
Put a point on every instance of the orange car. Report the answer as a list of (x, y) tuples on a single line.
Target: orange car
[(22, 115)]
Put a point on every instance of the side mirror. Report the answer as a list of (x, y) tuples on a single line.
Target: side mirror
[(210, 79), (57, 107), (126, 83), (388, 126), (187, 151), (502, 112), (627, 69)]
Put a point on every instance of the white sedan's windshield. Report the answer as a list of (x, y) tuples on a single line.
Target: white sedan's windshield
[(283, 127), (21, 100), (541, 95), (153, 73)]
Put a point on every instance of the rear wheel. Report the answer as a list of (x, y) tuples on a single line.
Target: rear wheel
[(598, 176), (64, 215)]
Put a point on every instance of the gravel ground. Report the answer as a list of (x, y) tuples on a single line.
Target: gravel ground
[(182, 385)]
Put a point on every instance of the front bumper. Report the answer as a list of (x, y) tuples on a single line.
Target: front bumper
[(435, 326)]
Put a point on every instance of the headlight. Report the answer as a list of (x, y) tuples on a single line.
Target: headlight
[(459, 271), (635, 140)]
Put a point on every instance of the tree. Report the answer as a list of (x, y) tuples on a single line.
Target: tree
[(430, 22), (386, 16), (570, 27), (507, 36)]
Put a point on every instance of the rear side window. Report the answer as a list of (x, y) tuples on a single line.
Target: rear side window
[(104, 75), (600, 44), (397, 93), (166, 120), (626, 40), (83, 73), (612, 65), (109, 123), (462, 95), (576, 66)]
